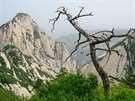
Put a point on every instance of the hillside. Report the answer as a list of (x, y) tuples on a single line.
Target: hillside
[(28, 54), (117, 65), (82, 59)]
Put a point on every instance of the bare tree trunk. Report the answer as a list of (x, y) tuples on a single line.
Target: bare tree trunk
[(104, 37), (100, 70)]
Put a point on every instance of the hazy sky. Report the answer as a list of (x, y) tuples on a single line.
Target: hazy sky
[(107, 13)]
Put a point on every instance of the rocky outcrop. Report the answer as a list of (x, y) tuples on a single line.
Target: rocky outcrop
[(115, 66), (26, 48), (80, 55)]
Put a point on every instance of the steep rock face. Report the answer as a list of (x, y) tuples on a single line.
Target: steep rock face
[(28, 54), (82, 59), (115, 66), (19, 72), (25, 34)]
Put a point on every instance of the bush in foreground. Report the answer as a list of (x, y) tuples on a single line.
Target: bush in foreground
[(75, 87), (70, 87), (8, 96)]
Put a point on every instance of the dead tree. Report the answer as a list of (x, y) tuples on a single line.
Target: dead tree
[(92, 40)]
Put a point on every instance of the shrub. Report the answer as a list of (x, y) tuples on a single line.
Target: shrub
[(6, 74), (5, 78), (122, 93), (24, 77), (8, 96), (69, 87), (9, 47), (130, 70)]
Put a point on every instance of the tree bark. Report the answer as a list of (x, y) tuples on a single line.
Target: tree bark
[(93, 40), (100, 70)]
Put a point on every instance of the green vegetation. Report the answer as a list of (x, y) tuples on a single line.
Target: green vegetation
[(28, 36), (36, 34), (13, 53), (69, 87), (21, 15), (121, 92), (130, 70), (9, 47), (8, 96), (6, 74), (24, 77), (29, 59), (130, 49), (16, 57), (6, 78), (2, 62), (75, 87)]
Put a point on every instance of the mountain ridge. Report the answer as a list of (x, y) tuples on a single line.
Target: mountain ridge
[(80, 58), (26, 50)]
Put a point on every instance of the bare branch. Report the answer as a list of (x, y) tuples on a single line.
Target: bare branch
[(79, 16), (104, 31), (75, 50), (93, 40), (60, 10), (108, 45), (78, 38), (104, 35), (54, 21), (117, 79), (63, 11), (80, 11), (108, 50), (107, 60), (131, 31), (113, 31)]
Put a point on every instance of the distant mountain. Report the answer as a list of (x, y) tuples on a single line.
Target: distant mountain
[(117, 65), (82, 59), (28, 54)]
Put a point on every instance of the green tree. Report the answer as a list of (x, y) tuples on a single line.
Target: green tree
[(8, 96), (129, 78), (68, 87)]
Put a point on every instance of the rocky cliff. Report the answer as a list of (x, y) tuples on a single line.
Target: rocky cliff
[(28, 54), (114, 64), (82, 59)]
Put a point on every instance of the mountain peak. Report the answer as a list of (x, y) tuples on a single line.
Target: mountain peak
[(30, 54), (21, 15)]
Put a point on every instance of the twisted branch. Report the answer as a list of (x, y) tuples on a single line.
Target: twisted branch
[(75, 50)]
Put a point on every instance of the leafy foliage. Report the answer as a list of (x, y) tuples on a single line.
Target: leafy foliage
[(122, 93), (17, 59), (130, 70), (6, 78), (8, 96), (6, 74), (75, 87), (9, 47), (2, 62), (68, 87), (24, 77)]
